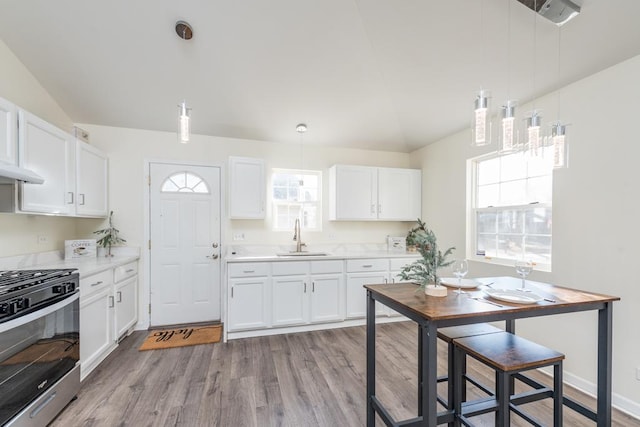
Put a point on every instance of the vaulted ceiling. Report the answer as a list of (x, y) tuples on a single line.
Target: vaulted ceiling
[(373, 74)]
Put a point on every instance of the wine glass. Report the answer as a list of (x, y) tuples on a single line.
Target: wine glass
[(523, 268), (460, 268)]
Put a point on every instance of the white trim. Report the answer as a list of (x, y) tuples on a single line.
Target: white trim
[(144, 286)]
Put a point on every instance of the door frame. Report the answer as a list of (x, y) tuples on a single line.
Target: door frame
[(144, 293)]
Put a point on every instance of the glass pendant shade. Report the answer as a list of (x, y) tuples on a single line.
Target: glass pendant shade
[(560, 147), (185, 123), (481, 120), (533, 134), (508, 133)]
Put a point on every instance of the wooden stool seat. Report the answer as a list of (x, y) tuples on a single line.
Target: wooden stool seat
[(508, 355), (448, 335)]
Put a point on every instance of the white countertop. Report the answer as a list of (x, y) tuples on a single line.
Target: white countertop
[(334, 252), (85, 266)]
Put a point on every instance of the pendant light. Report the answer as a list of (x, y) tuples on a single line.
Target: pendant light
[(509, 130), (558, 138), (185, 32), (184, 123), (533, 131), (481, 131), (301, 128)]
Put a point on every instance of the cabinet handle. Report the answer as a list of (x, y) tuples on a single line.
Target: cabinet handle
[(82, 202), (97, 283), (313, 286), (232, 292), (305, 287), (379, 208), (248, 271), (111, 302), (119, 296), (70, 194), (367, 265)]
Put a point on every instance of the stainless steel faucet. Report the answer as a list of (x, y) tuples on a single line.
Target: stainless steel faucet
[(296, 235)]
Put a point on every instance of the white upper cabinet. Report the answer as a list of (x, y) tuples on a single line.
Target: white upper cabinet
[(399, 194), (8, 132), (49, 152), (370, 193), (247, 187), (91, 174)]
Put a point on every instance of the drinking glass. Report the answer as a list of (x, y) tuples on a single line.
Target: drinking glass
[(523, 268), (460, 268)]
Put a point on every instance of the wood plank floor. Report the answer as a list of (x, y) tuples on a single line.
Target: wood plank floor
[(298, 380)]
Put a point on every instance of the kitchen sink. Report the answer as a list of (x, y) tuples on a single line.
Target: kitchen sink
[(303, 253)]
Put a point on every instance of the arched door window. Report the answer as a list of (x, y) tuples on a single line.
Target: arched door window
[(184, 182)]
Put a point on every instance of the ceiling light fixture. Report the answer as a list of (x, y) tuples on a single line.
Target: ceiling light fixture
[(185, 32), (534, 133), (301, 128), (558, 138), (481, 119), (185, 123), (509, 134)]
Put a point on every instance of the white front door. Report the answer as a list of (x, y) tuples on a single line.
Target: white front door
[(185, 243)]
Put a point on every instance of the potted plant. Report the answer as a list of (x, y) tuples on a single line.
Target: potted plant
[(424, 271), (109, 236)]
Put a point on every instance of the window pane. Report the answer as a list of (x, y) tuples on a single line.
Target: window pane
[(511, 221), (311, 181), (180, 179), (201, 187), (279, 180), (538, 248), (514, 166), (292, 193), (488, 195), (539, 189), (486, 222), (540, 165), (169, 187), (510, 245), (538, 221), (489, 171), (279, 193), (486, 245), (513, 193)]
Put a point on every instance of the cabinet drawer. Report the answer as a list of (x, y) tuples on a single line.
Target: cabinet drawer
[(248, 269), (95, 282), (323, 267), (373, 264), (396, 264), (290, 268), (124, 271)]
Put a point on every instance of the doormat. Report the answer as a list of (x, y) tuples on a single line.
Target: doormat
[(181, 337)]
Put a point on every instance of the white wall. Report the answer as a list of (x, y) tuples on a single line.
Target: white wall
[(19, 232), (596, 206)]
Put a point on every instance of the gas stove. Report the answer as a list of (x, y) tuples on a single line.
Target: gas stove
[(24, 291)]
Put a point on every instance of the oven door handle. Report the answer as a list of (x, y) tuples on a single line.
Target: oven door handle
[(22, 320), (43, 405)]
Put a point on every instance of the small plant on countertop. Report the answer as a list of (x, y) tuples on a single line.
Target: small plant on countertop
[(109, 236), (414, 235), (425, 270)]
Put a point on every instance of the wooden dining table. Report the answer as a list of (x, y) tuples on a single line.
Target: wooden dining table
[(431, 313)]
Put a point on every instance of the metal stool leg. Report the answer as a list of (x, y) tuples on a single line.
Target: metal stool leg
[(557, 394), (502, 395)]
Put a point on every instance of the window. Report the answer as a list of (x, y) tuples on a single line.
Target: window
[(184, 182), (297, 194), (510, 209)]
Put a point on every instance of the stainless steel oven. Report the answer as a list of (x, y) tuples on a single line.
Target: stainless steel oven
[(39, 345)]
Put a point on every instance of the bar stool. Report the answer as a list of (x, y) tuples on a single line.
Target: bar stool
[(448, 335), (508, 355)]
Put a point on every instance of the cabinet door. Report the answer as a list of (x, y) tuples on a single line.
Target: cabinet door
[(247, 186), (290, 296), (248, 299), (50, 153), (91, 174), (399, 194), (353, 193), (357, 294), (96, 329), (326, 301), (8, 132), (126, 302)]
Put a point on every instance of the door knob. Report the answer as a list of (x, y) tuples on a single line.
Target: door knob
[(215, 245), (214, 256)]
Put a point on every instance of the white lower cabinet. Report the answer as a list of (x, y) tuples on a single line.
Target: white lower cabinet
[(326, 298), (96, 320), (247, 305), (108, 311), (290, 300), (362, 272)]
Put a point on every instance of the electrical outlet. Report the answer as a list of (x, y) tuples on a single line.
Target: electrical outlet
[(42, 240), (238, 236)]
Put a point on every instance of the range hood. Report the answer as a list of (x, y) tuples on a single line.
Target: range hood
[(16, 173)]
